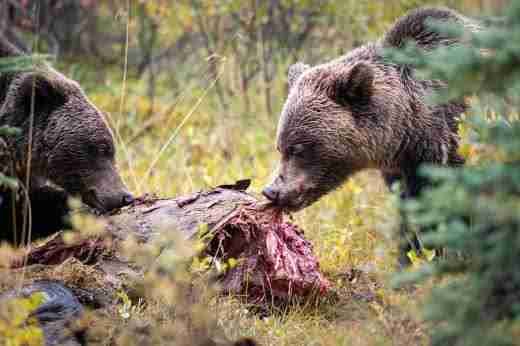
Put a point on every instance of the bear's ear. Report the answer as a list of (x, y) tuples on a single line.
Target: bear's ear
[(352, 86), (295, 71), (37, 87)]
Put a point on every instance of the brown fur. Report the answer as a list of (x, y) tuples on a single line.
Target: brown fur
[(360, 111), (72, 146)]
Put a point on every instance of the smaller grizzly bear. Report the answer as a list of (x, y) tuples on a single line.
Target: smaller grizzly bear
[(72, 149), (361, 111)]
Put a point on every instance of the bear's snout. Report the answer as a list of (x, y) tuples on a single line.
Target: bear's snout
[(115, 201), (271, 193), (289, 200), (289, 190), (105, 201), (127, 199)]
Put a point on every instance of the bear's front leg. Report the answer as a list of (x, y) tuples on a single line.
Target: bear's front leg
[(49, 211), (411, 186), (47, 214)]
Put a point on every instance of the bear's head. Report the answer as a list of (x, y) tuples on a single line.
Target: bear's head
[(360, 111), (72, 145), (339, 118)]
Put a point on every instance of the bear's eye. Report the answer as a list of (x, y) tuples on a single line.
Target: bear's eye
[(296, 150), (92, 150), (109, 150), (106, 150)]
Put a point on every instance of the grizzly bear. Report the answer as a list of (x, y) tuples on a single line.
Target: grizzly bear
[(362, 111), (71, 147)]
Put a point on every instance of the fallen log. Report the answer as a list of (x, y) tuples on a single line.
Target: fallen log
[(274, 263), (273, 260)]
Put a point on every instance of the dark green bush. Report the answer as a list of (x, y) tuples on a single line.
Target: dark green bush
[(475, 211)]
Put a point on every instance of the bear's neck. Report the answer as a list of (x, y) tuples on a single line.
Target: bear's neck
[(34, 164)]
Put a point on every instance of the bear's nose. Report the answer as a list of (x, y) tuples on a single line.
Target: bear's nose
[(271, 194), (127, 199)]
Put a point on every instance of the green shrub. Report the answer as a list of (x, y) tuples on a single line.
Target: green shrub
[(474, 211)]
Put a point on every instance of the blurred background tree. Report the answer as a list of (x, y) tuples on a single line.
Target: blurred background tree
[(253, 38)]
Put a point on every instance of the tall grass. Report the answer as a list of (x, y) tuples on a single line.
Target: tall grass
[(203, 146)]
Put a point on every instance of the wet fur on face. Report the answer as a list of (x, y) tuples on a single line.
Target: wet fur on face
[(359, 111), (72, 145)]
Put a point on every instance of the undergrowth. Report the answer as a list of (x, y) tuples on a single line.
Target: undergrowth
[(351, 229), (184, 142)]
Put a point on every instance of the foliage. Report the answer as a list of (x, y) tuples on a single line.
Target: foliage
[(22, 63), (478, 224), (7, 65), (167, 91), (17, 327)]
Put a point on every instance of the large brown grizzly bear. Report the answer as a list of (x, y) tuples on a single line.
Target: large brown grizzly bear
[(72, 149), (361, 111)]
